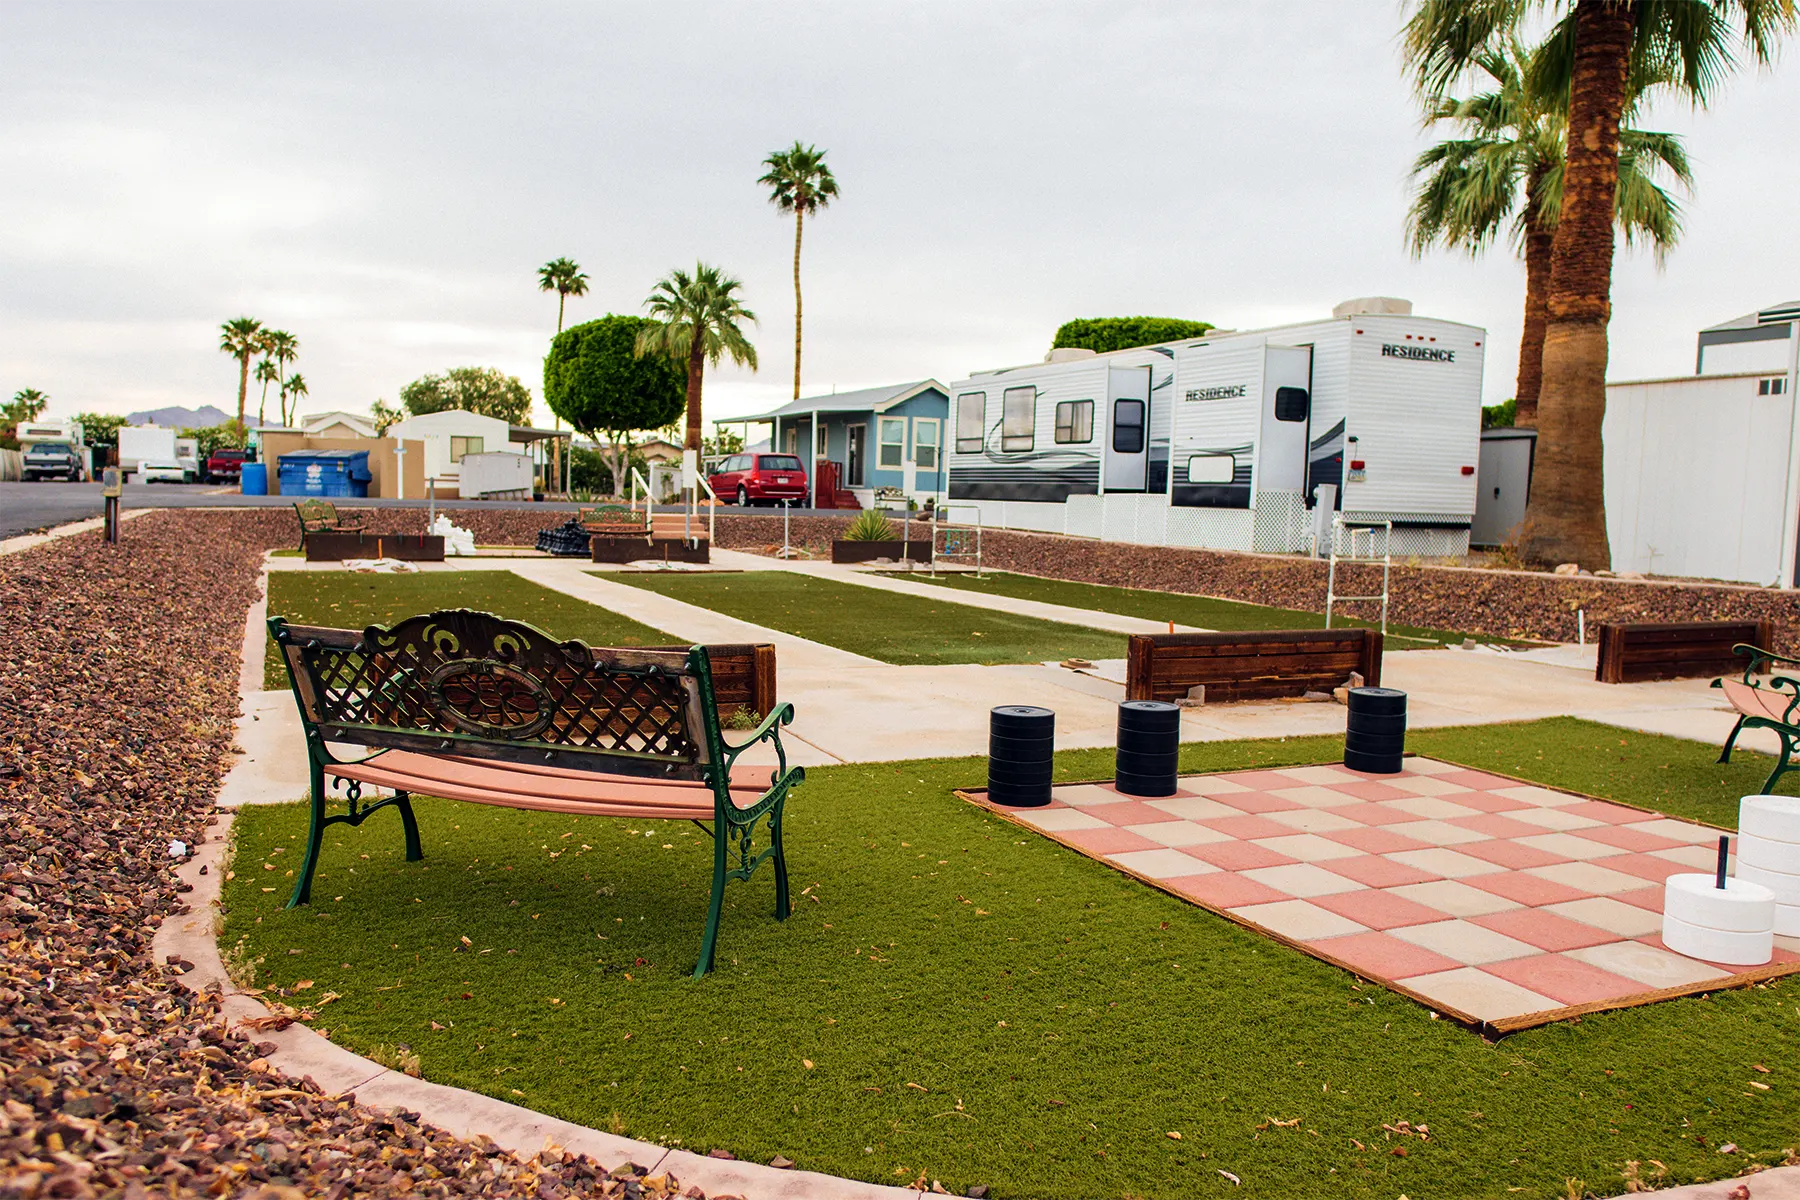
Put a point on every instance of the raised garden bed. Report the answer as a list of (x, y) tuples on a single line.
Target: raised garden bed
[(916, 549), (407, 547)]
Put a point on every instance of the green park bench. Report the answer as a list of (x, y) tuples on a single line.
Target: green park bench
[(1764, 704), (321, 516), (470, 706)]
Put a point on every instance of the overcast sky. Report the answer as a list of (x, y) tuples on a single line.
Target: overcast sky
[(384, 179)]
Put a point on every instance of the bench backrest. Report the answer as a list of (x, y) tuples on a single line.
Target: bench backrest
[(1249, 664), (474, 684), (1631, 653), (613, 516), (316, 515)]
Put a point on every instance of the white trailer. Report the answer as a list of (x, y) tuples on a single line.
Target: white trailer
[(141, 443), (1223, 441)]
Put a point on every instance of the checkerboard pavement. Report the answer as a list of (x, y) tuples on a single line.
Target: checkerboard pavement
[(1500, 903)]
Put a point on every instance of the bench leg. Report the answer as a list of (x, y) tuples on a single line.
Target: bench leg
[(711, 940), (782, 907), (403, 801), (1782, 766), (314, 837), (1725, 754)]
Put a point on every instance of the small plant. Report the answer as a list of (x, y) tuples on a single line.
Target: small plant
[(871, 526), (396, 1058), (743, 717)]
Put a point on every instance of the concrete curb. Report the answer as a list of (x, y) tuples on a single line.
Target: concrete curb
[(26, 541)]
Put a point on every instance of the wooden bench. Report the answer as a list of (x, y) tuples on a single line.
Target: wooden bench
[(470, 706), (1249, 664), (1683, 650), (321, 516), (1772, 704), (622, 535)]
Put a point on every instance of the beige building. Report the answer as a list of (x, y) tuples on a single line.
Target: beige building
[(385, 461)]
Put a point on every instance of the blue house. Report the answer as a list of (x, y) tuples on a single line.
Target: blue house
[(887, 443)]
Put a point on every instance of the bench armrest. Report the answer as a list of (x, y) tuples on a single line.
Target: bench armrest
[(1759, 659), (768, 730)]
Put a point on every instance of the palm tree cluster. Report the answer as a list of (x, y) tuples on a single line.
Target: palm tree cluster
[(1569, 101), (245, 338)]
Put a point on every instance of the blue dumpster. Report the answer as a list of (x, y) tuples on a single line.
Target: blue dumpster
[(254, 481), (328, 473)]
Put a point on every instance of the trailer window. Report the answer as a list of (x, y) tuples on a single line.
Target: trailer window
[(1018, 418), (1128, 427), (1291, 404), (971, 422), (1211, 468), (1075, 421)]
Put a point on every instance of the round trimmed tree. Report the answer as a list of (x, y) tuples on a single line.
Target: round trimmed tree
[(594, 380)]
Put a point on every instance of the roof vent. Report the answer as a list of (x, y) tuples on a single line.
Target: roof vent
[(1068, 354), (1367, 306)]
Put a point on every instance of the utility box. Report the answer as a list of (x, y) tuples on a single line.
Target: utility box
[(1502, 484)]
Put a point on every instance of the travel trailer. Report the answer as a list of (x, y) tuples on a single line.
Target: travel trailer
[(1224, 441)]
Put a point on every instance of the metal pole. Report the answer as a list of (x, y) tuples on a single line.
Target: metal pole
[(787, 506)]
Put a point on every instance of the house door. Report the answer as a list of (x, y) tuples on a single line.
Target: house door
[(854, 455), (1125, 458), (1286, 418)]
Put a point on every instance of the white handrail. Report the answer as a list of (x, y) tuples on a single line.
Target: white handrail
[(712, 514), (1339, 527), (940, 524)]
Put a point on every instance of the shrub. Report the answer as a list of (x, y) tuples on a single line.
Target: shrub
[(1101, 334), (871, 526)]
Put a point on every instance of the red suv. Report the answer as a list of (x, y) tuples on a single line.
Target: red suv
[(759, 479)]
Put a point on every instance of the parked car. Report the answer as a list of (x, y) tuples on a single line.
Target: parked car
[(52, 458), (226, 464), (759, 479), (162, 470)]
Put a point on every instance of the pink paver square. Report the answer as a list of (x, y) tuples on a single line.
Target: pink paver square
[(1247, 826), (1514, 856), (1645, 866), (1378, 909), (1545, 930), (1255, 802), (1106, 841), (1635, 840), (1383, 956), (1377, 872), (1568, 980), (1375, 840), (1526, 889), (1224, 889), (1132, 812), (1497, 825), (1369, 788), (1236, 856), (1612, 814), (1371, 813), (1490, 802), (1649, 899)]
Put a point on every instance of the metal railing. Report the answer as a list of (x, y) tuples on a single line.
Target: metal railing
[(957, 539), (1344, 534), (658, 472)]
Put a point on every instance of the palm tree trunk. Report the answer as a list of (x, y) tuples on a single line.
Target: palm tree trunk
[(1540, 237), (243, 386), (1566, 515), (696, 369), (799, 225), (263, 402)]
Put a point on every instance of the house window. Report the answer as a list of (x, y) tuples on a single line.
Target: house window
[(971, 422), (1075, 421), (925, 444), (1018, 418), (893, 444), (460, 446), (823, 444)]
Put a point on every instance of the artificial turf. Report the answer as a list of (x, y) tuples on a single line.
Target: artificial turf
[(959, 999), (346, 601), (1201, 612), (880, 624)]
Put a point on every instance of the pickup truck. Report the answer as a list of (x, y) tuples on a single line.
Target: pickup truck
[(226, 464), (52, 458)]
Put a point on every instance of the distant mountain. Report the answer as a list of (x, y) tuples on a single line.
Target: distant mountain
[(180, 418)]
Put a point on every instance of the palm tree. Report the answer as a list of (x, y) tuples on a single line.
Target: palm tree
[(1608, 45), (562, 276), (800, 183), (266, 372), (1509, 170), (696, 320), (295, 386), (282, 349), (241, 337)]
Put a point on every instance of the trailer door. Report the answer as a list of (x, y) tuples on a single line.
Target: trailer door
[(1286, 419), (1126, 458)]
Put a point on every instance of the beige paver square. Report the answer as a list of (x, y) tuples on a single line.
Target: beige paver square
[(1319, 775), (1299, 920), (1313, 820), (1441, 860), (1614, 916), (1455, 899), (1542, 797), (1086, 794), (1429, 807), (1178, 833), (1568, 845), (1308, 847), (1588, 877), (1302, 879), (1483, 996), (1650, 965), (1209, 785), (1427, 766), (1469, 944), (1680, 831), (1554, 819), (1425, 785), (1436, 833), (1703, 858), (1161, 864), (1058, 819), (1313, 796), (1195, 808)]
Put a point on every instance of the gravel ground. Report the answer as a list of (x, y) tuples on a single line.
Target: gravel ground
[(118, 670)]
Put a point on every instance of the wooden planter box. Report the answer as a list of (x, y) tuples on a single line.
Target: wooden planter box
[(1249, 665), (407, 547), (917, 549), (1684, 650), (743, 676), (632, 549)]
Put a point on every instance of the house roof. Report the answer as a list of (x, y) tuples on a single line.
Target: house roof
[(1774, 314), (876, 399)]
